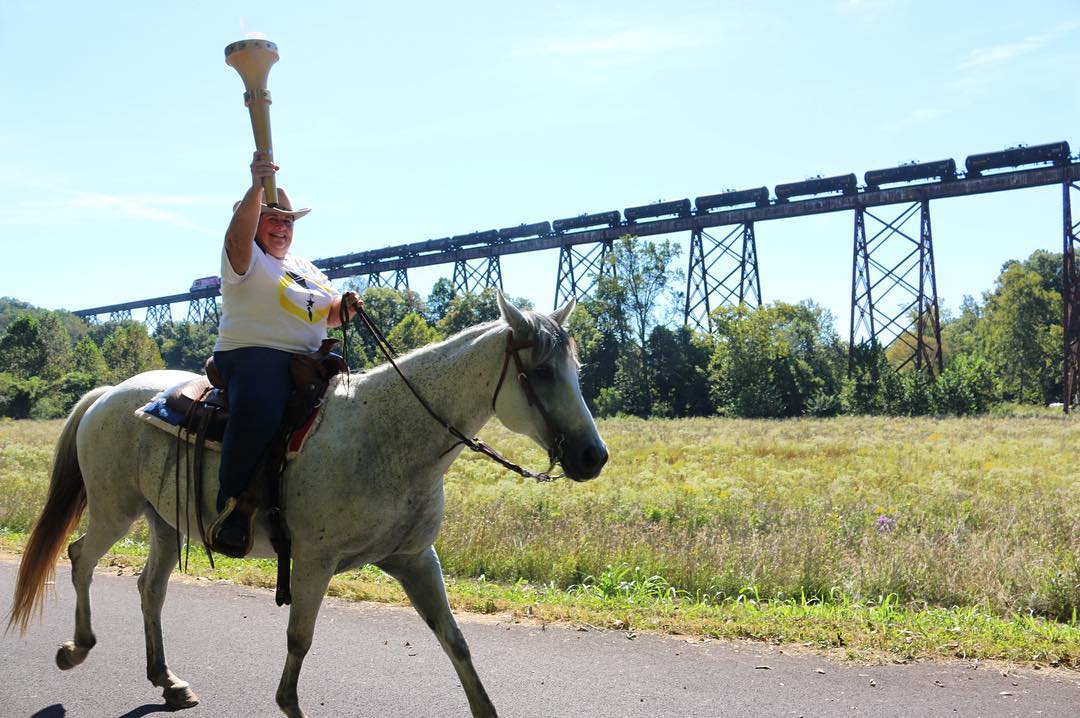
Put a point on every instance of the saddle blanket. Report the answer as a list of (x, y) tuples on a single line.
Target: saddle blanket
[(167, 419)]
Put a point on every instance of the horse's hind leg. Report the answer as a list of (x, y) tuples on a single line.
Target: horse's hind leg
[(421, 577), (101, 533), (153, 584)]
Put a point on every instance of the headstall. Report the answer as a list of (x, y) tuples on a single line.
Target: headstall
[(476, 444)]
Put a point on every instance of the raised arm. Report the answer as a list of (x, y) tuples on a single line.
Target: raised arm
[(240, 236)]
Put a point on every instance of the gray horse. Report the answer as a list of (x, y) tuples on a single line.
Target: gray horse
[(367, 489)]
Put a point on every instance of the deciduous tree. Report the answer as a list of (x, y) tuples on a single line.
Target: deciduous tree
[(35, 345), (1021, 335), (412, 332), (628, 296), (129, 350), (185, 345), (87, 359)]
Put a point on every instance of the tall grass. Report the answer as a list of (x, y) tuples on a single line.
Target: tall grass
[(951, 512), (981, 513), (26, 451)]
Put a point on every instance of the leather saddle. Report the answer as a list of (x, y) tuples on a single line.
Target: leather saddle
[(204, 404), (205, 395), (200, 401)]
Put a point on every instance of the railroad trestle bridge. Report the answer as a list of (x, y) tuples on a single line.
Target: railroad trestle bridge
[(894, 294)]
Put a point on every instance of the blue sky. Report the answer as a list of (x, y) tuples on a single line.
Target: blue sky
[(124, 140)]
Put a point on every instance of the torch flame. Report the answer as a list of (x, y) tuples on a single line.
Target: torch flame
[(253, 35)]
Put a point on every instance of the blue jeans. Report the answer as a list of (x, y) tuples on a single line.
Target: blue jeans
[(257, 381)]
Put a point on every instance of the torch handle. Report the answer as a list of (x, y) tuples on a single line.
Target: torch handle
[(259, 109)]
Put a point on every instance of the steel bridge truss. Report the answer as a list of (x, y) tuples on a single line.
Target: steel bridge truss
[(397, 279), (580, 270), (894, 289), (721, 272), (476, 275), (203, 310), (1070, 298), (157, 315)]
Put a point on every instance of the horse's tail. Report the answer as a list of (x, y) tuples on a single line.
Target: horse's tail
[(63, 509)]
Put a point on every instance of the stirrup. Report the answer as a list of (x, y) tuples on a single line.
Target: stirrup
[(232, 550)]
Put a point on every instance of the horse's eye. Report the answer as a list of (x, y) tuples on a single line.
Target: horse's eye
[(543, 371)]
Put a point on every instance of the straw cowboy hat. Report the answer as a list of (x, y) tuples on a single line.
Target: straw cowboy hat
[(283, 206)]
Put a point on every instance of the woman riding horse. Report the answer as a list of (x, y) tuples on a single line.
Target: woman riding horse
[(355, 497), (274, 304)]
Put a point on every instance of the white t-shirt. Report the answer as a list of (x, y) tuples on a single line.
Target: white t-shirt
[(277, 303)]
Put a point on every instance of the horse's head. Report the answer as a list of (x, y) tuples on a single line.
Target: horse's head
[(544, 402)]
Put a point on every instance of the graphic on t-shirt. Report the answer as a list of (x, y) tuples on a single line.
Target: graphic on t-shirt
[(297, 295)]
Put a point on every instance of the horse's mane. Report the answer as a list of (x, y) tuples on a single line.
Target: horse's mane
[(549, 339)]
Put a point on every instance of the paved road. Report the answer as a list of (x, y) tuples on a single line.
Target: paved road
[(371, 660)]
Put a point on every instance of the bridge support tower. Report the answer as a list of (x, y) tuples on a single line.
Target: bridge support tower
[(203, 310), (475, 275), (397, 280), (580, 270), (157, 315), (722, 272), (894, 287), (1070, 299)]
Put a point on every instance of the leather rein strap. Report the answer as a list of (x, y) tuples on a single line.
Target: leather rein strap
[(475, 443)]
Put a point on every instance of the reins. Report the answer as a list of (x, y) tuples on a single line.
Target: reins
[(475, 443)]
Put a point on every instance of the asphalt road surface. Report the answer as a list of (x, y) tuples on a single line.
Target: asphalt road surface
[(369, 660)]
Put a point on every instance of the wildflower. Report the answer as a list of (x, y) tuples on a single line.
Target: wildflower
[(885, 523)]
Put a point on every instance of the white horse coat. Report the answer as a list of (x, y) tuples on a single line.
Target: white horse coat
[(367, 487)]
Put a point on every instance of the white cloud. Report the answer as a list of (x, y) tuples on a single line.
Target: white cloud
[(150, 209), (995, 54)]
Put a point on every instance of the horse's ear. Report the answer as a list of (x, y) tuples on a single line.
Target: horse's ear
[(513, 316), (563, 313)]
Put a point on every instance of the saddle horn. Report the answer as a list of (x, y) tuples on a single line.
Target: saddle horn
[(252, 59)]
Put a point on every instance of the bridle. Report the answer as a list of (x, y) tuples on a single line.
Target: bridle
[(555, 449)]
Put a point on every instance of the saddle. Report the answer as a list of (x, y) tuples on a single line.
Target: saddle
[(204, 404)]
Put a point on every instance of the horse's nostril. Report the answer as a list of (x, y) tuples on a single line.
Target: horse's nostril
[(594, 457)]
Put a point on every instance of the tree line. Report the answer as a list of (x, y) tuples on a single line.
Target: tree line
[(776, 360)]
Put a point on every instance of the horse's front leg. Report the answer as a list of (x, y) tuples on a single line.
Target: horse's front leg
[(421, 577), (309, 582), (153, 583)]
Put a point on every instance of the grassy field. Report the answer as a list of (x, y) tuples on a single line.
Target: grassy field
[(895, 538)]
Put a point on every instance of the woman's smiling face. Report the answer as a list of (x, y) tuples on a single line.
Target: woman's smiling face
[(275, 233)]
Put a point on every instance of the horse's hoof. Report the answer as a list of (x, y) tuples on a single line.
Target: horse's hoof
[(70, 656), (291, 709), (180, 696), (294, 712)]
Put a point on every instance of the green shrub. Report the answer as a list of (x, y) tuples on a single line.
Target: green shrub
[(967, 386)]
